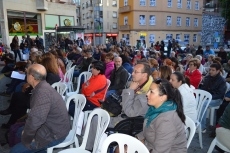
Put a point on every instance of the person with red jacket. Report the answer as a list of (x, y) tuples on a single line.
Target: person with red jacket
[(193, 73), (94, 89)]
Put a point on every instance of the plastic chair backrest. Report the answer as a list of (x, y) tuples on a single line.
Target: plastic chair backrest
[(80, 101), (69, 75), (103, 122), (60, 87), (201, 97), (69, 65), (191, 127), (89, 67), (108, 82), (133, 144), (87, 76)]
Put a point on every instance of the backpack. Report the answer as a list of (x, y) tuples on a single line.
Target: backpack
[(112, 105)]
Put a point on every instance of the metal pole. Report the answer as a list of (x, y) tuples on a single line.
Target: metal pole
[(25, 29)]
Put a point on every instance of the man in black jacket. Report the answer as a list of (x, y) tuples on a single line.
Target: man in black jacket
[(215, 84), (118, 78)]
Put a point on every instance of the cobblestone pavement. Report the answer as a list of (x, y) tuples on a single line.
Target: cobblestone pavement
[(194, 147)]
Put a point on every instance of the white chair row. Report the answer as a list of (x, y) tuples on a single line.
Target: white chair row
[(103, 122), (202, 97)]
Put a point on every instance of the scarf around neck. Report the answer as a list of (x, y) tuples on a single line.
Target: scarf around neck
[(153, 112)]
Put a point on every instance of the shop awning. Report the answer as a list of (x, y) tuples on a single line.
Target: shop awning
[(76, 29)]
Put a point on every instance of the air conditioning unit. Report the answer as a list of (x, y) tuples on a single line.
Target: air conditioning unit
[(41, 5)]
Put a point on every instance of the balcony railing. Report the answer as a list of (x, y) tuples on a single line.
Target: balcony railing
[(125, 9), (124, 27)]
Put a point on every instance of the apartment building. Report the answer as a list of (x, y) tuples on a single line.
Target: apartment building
[(20, 17), (99, 18), (156, 20)]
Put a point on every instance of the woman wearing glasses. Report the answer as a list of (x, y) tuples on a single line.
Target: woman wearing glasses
[(193, 73), (164, 121)]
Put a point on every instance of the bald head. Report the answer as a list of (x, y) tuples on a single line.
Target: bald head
[(38, 71)]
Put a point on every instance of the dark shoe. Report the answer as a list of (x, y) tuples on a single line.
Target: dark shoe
[(5, 94), (5, 112), (8, 74), (5, 126), (8, 84), (219, 150)]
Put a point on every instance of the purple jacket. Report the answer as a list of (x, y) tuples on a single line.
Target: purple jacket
[(109, 68)]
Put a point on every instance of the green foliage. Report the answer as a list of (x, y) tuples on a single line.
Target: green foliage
[(225, 11)]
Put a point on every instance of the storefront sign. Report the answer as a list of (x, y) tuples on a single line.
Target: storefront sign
[(88, 35), (111, 34), (98, 35)]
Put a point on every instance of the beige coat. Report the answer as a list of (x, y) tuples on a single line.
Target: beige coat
[(166, 134)]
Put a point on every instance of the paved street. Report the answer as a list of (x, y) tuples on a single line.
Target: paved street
[(194, 147)]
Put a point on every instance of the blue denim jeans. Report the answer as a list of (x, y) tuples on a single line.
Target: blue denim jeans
[(109, 92), (20, 148), (213, 103)]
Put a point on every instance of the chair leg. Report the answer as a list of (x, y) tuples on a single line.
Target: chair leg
[(212, 146), (212, 112), (200, 137), (50, 150)]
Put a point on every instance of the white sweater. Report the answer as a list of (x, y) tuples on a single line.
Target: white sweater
[(189, 101)]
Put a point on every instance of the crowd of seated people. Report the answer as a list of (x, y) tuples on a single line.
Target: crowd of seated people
[(170, 76)]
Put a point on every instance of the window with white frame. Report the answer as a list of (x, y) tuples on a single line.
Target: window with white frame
[(187, 21), (186, 38), (177, 36), (83, 5), (197, 5), (194, 38), (195, 22), (179, 3), (152, 20), (178, 21), (114, 3), (114, 25), (114, 14), (83, 15), (169, 3), (188, 4), (142, 3), (152, 3), (84, 25), (169, 21), (125, 2), (88, 27)]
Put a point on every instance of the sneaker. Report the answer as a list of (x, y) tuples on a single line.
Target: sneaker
[(202, 131), (5, 94)]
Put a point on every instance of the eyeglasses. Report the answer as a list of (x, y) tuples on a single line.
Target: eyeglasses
[(137, 72), (191, 64)]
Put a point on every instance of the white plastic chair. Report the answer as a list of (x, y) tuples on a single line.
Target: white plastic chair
[(103, 122), (133, 144), (213, 109), (60, 87), (216, 142), (68, 79), (87, 76), (201, 97), (69, 65), (191, 127), (89, 67), (80, 102), (108, 82)]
